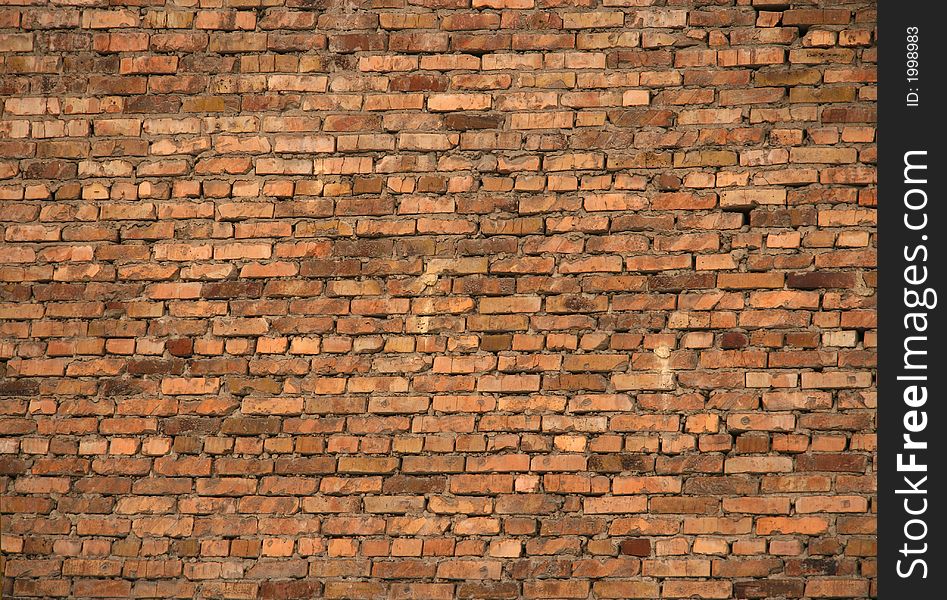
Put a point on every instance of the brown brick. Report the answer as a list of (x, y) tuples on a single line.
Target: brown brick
[(483, 301)]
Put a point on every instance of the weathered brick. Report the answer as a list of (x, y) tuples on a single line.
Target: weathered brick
[(481, 301)]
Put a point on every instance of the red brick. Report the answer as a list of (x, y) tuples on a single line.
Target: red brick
[(482, 301)]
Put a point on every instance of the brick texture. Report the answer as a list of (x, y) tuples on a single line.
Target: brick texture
[(437, 298)]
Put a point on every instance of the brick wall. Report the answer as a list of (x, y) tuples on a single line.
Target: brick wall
[(437, 298)]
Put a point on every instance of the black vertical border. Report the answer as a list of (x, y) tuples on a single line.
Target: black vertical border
[(907, 124)]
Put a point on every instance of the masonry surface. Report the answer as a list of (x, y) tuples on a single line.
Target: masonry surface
[(437, 299)]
